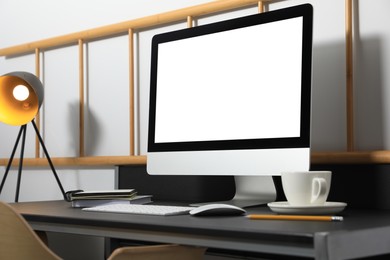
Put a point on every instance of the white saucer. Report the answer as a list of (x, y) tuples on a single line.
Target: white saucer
[(284, 207)]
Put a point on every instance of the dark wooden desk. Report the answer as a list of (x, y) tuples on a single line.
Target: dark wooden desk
[(362, 233)]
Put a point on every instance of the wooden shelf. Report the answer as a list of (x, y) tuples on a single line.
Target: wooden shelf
[(79, 161), (361, 157), (358, 157)]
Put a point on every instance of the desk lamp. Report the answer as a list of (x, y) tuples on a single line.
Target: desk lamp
[(21, 96)]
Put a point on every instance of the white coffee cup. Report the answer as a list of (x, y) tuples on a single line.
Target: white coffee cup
[(306, 188)]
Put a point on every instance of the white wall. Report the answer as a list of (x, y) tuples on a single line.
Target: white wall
[(107, 124), (22, 21)]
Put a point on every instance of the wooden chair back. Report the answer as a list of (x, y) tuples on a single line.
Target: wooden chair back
[(18, 240), (158, 252)]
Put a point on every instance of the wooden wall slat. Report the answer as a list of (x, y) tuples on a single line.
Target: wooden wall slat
[(356, 157), (349, 75), (81, 99), (131, 92), (260, 6), (37, 117), (363, 157), (79, 161), (190, 21)]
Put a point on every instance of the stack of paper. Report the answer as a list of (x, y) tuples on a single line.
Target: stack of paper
[(94, 198)]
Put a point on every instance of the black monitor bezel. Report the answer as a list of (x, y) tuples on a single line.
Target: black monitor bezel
[(305, 11)]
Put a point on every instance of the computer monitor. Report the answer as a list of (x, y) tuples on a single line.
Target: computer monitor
[(233, 98)]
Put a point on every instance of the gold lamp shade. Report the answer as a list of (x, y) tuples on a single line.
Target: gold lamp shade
[(21, 95)]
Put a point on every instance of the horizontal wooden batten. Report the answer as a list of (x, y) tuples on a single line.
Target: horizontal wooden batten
[(361, 157), (79, 161), (357, 157), (123, 27)]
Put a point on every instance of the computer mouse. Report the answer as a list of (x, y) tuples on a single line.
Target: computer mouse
[(217, 210)]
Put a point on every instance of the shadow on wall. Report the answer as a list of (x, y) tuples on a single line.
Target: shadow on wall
[(370, 91), (328, 97), (329, 116), (92, 132)]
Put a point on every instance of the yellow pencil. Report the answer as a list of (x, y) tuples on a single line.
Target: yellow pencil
[(296, 217)]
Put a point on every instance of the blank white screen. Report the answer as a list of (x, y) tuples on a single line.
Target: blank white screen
[(237, 84)]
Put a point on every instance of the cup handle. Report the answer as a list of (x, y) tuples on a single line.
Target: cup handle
[(318, 189)]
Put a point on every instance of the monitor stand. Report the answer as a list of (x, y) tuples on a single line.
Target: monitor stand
[(254, 191)]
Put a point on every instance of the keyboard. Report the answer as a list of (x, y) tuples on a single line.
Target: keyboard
[(142, 209)]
